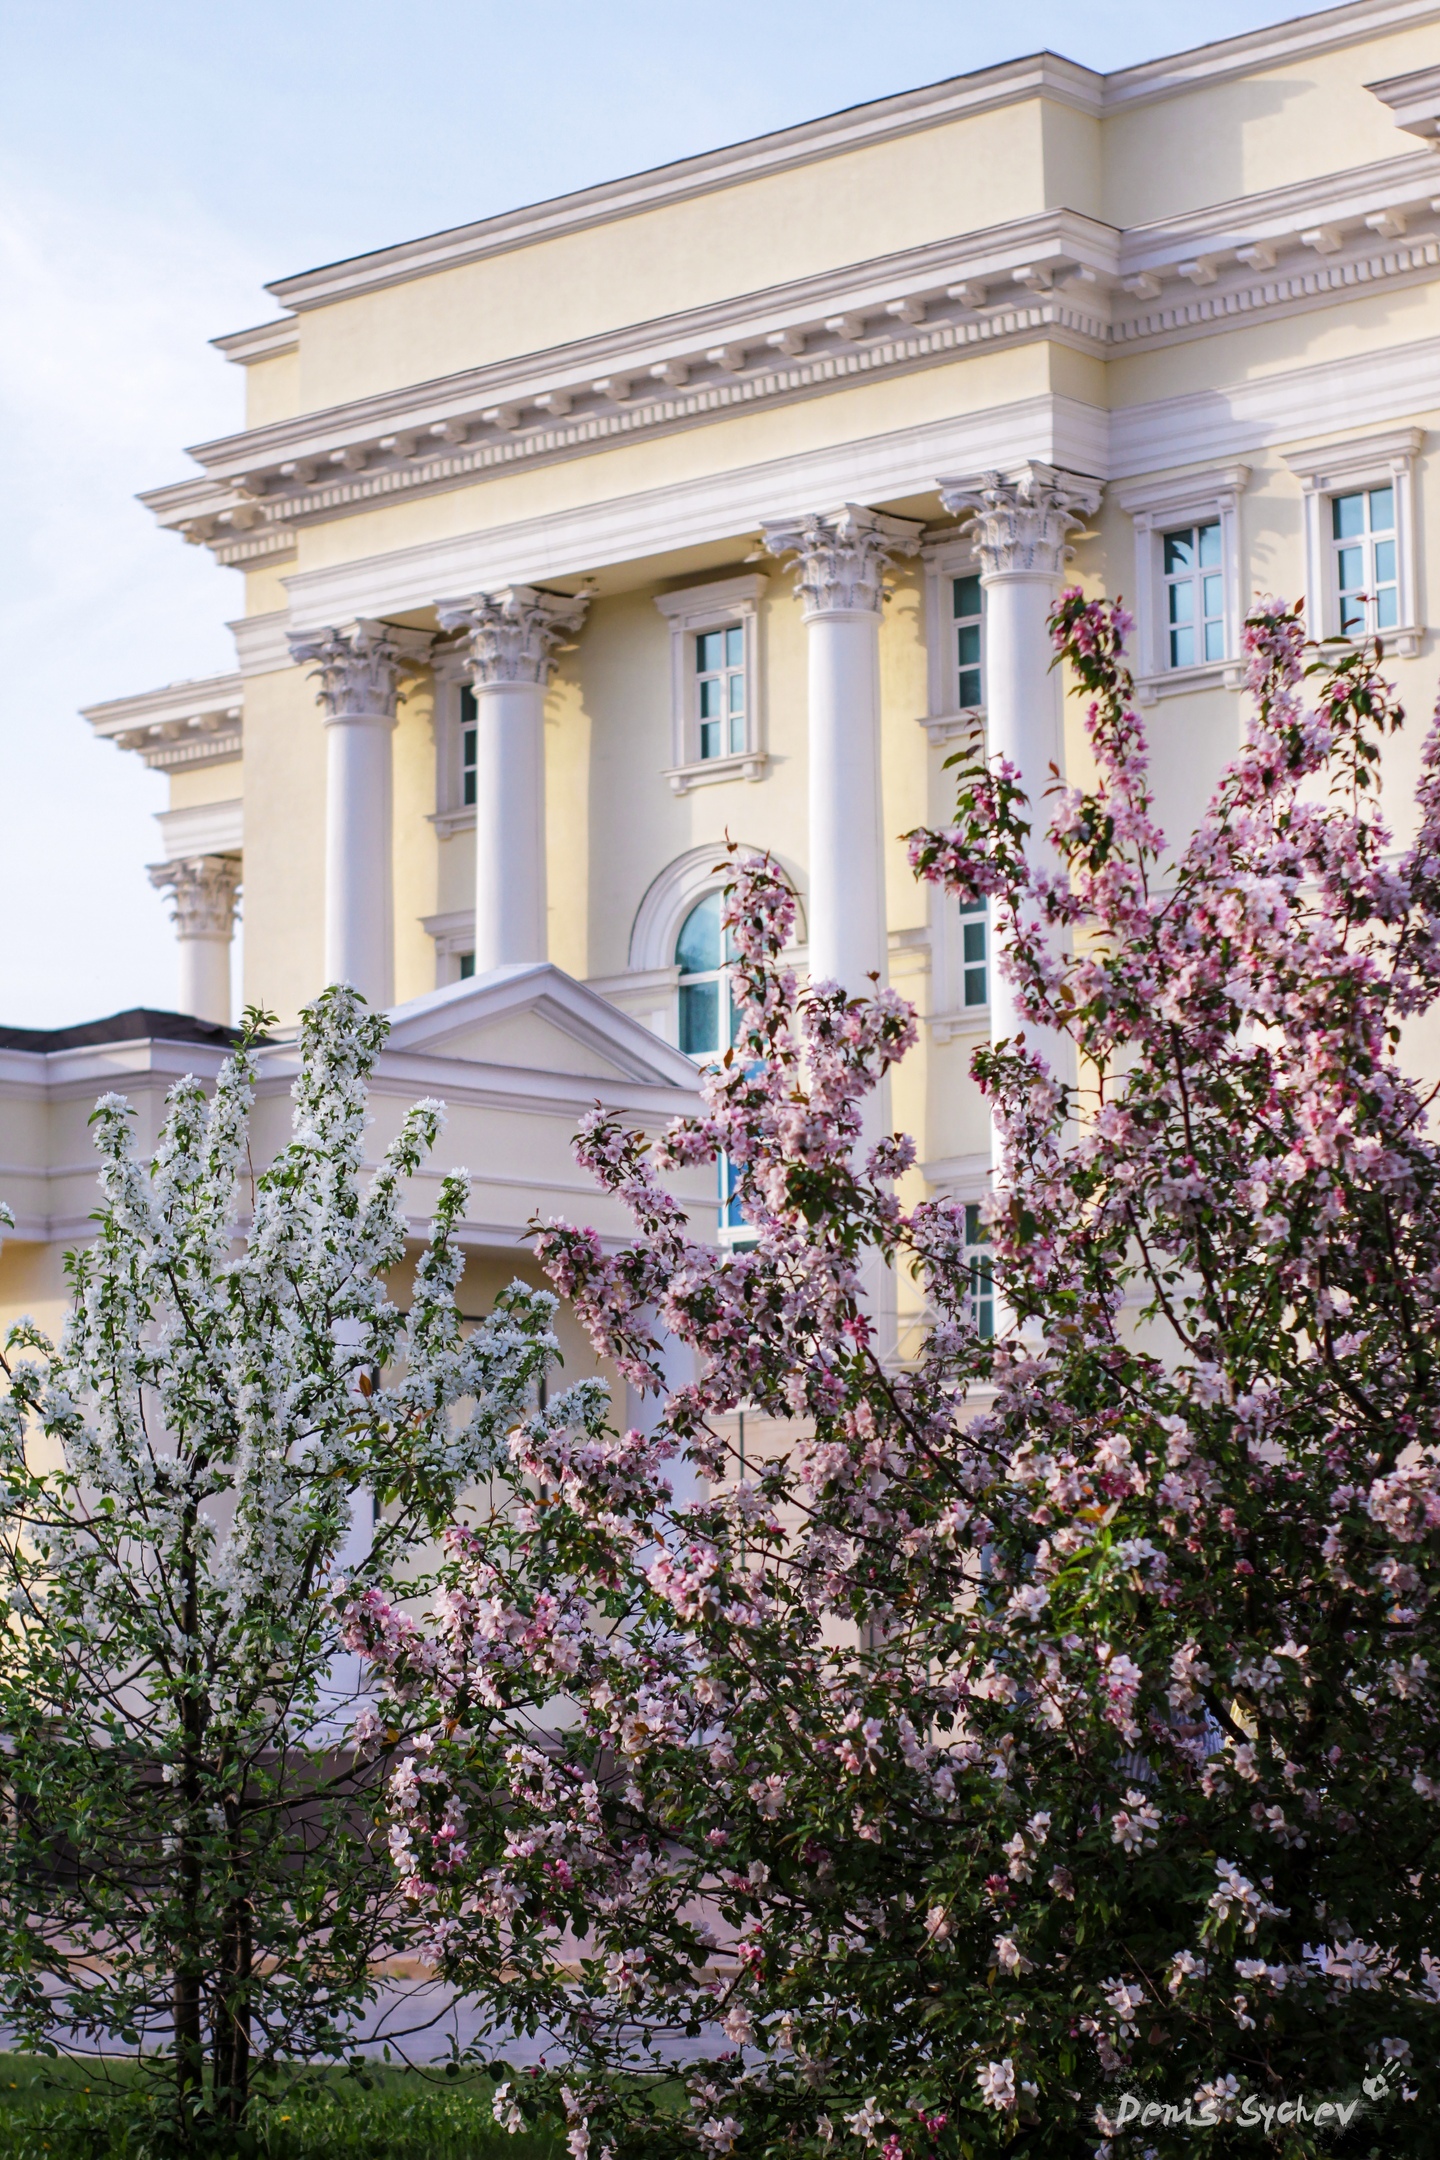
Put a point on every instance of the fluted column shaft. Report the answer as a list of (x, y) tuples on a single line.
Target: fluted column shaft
[(358, 669), (203, 890), (1020, 527), (510, 643), (840, 563)]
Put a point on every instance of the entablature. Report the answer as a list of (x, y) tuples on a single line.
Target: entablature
[(1054, 276), (185, 723)]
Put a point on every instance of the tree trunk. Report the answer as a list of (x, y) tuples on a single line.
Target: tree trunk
[(232, 2018)]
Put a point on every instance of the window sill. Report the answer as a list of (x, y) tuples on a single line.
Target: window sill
[(1178, 682), (1400, 643), (447, 822), (708, 772), (956, 726), (950, 1026)]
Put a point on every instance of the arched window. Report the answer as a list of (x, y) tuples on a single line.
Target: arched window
[(703, 952)]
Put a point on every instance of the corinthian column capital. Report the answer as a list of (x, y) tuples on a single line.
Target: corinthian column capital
[(512, 636), (840, 556), (203, 890), (358, 667), (1022, 525)]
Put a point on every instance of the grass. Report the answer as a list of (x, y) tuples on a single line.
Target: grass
[(61, 2110)]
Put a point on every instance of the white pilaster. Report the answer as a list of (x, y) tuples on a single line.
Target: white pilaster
[(358, 669), (1020, 529), (203, 890), (840, 566), (510, 639)]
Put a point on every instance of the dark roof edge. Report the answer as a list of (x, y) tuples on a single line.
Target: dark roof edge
[(139, 1024)]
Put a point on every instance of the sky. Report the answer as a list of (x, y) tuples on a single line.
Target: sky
[(159, 161)]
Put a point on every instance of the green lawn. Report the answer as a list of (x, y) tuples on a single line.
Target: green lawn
[(53, 2110)]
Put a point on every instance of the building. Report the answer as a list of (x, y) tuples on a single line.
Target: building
[(729, 498)]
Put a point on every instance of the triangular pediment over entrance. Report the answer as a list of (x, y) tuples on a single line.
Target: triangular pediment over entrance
[(539, 1019)]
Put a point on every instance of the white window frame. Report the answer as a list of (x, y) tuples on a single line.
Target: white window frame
[(452, 813), (1155, 508), (946, 720), (1385, 459), (726, 604), (454, 934)]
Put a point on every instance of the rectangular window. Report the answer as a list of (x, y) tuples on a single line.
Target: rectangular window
[(967, 602), (974, 956), (468, 721), (720, 690), (1362, 529), (982, 1278), (1194, 594)]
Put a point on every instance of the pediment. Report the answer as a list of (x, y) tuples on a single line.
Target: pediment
[(536, 1018)]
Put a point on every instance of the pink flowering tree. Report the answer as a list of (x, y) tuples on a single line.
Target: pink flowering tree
[(1040, 1733)]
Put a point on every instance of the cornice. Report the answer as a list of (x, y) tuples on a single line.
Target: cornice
[(1255, 51), (858, 127), (1414, 99), (265, 342), (186, 723), (1056, 276)]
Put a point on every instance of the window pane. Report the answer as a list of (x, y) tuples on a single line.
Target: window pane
[(1384, 562), (1214, 641), (1179, 551), (1182, 600), (1214, 591), (970, 688), (710, 739), (709, 651), (974, 932), (1182, 648), (1382, 509), (967, 644), (737, 733), (735, 647), (697, 949), (1387, 608), (467, 966), (737, 693), (1209, 544), (1352, 569), (709, 697), (699, 1018), (1348, 513), (1352, 619), (967, 595), (468, 708)]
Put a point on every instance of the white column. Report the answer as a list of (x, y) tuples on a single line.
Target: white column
[(1020, 527), (510, 638), (203, 888), (358, 669), (840, 566)]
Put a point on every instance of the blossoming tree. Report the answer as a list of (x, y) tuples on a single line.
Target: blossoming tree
[(188, 1862), (1041, 1734)]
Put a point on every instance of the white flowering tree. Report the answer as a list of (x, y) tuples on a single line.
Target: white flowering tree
[(188, 1858), (1041, 1753)]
